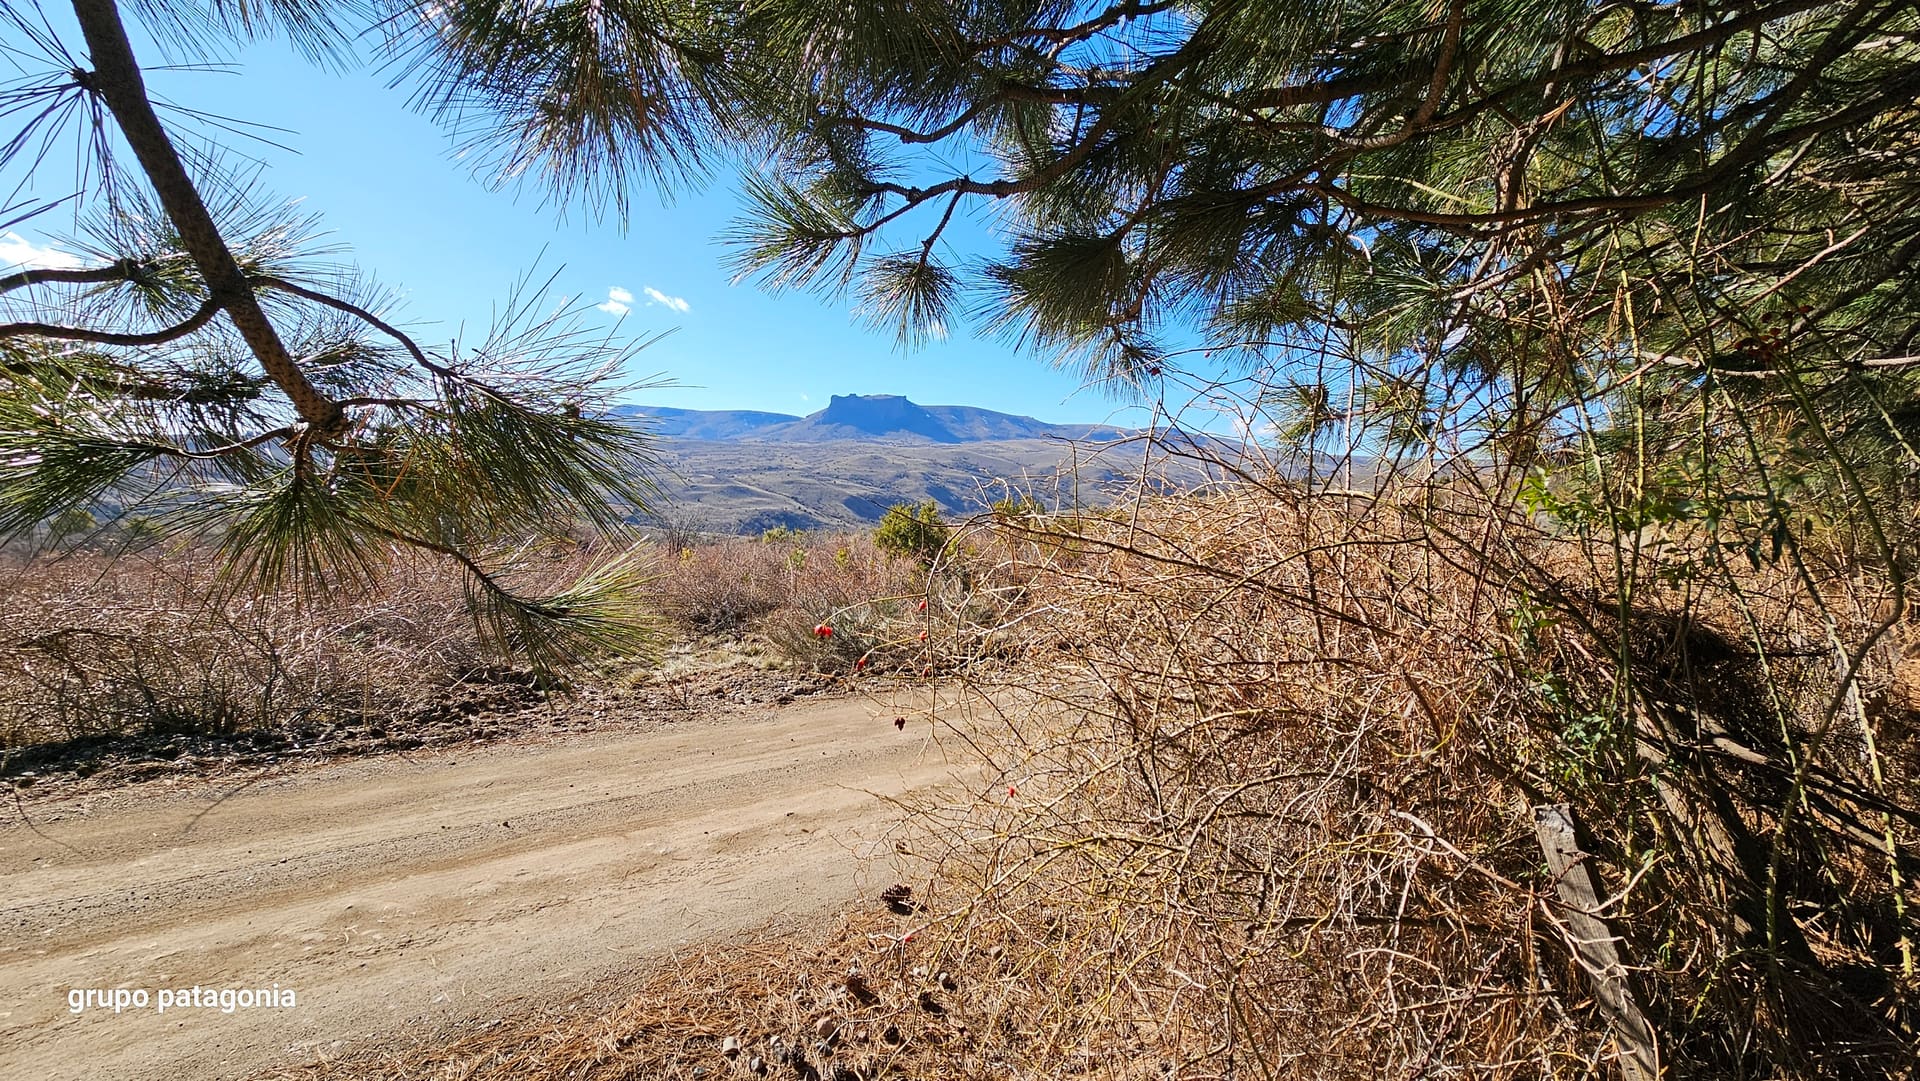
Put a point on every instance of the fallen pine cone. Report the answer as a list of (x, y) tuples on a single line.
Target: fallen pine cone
[(899, 900)]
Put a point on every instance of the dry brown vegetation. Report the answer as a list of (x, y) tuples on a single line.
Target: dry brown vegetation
[(784, 585), (1278, 758), (1264, 772), (880, 995), (151, 655), (152, 644)]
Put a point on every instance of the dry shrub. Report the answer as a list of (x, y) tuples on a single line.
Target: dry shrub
[(1262, 775), (784, 586), (1272, 759), (153, 643), (724, 585)]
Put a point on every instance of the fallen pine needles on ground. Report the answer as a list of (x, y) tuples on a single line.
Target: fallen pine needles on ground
[(880, 993)]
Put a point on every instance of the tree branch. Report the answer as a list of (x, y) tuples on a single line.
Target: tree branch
[(208, 309), (117, 80), (123, 270), (413, 349)]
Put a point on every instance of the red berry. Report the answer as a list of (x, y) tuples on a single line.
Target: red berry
[(923, 636), (861, 663), (1009, 790), (823, 631), (923, 606)]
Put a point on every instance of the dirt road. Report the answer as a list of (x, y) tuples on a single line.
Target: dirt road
[(396, 896)]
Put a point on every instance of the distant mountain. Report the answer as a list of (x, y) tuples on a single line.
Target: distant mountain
[(886, 418), (723, 425), (868, 416), (748, 485), (741, 471)]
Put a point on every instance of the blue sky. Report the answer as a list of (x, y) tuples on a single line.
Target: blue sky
[(387, 185)]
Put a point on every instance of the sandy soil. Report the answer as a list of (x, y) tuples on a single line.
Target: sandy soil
[(399, 896)]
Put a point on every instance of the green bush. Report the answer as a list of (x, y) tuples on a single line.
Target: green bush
[(1017, 508), (908, 530)]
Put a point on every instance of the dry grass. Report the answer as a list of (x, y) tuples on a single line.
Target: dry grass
[(151, 644), (783, 587), (92, 646), (1259, 802), (1276, 757), (872, 996)]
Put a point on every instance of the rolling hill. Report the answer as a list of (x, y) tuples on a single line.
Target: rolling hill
[(739, 471), (864, 417)]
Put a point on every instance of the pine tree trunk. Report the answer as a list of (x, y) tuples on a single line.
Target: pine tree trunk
[(116, 78)]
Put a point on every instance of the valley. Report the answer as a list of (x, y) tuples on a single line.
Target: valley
[(736, 471)]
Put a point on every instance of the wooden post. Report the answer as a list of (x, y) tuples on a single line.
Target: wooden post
[(1594, 944)]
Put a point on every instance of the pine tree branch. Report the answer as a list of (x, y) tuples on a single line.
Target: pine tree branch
[(1605, 63), (1067, 35), (117, 80), (200, 318), (170, 450), (1436, 86), (121, 382), (123, 270), (406, 342), (911, 136), (1755, 147)]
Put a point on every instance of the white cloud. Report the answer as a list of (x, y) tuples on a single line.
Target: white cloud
[(1253, 429), (655, 296), (17, 251), (619, 302)]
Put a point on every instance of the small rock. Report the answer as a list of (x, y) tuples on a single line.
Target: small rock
[(730, 1047), (946, 981), (824, 1028), (756, 1064)]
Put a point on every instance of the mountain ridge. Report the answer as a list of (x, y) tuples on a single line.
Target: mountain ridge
[(841, 467), (883, 418)]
